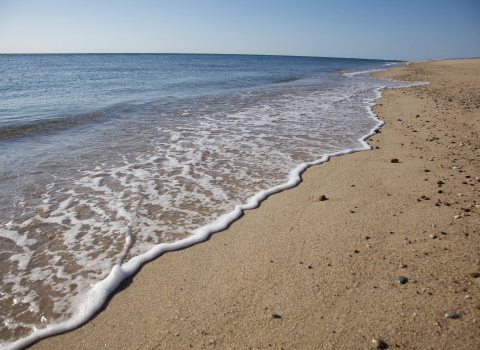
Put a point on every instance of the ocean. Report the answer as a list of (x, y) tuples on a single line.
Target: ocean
[(109, 160)]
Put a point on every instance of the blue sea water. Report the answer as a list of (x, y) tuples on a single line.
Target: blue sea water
[(105, 158), (41, 88)]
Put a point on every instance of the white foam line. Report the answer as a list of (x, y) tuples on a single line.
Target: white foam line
[(94, 299)]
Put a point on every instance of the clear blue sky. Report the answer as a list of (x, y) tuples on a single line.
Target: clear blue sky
[(387, 29)]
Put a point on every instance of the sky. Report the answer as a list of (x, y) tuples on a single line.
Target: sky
[(378, 29)]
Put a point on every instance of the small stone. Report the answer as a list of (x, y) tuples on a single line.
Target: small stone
[(477, 306), (394, 160), (402, 279), (402, 265), (457, 217), (451, 314), (426, 170), (355, 251), (433, 236), (379, 344), (474, 274), (274, 315), (322, 198)]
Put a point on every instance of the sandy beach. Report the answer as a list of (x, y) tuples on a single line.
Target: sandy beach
[(304, 273)]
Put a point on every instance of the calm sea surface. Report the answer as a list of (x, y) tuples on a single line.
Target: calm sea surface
[(103, 157)]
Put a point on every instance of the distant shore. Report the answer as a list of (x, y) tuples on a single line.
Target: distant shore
[(304, 273)]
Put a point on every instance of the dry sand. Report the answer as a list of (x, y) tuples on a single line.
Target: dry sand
[(299, 273)]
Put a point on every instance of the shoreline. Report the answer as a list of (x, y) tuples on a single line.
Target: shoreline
[(104, 289), (298, 272)]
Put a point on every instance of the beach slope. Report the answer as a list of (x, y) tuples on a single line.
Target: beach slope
[(304, 273)]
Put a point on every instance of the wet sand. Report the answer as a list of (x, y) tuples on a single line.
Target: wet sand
[(300, 273)]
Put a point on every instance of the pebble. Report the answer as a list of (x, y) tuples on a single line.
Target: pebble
[(402, 279), (426, 170), (394, 160), (457, 217), (451, 314), (433, 236), (474, 274), (322, 198), (379, 344), (402, 265), (355, 251), (274, 315)]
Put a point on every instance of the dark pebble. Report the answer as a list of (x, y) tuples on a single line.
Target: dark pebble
[(451, 314), (474, 274), (322, 198), (274, 315), (394, 160), (379, 344), (402, 279)]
